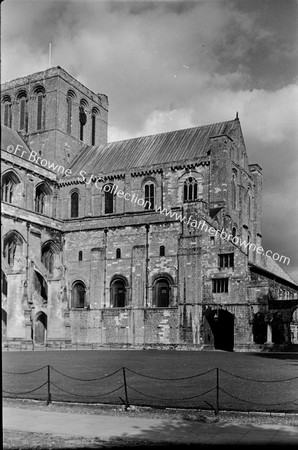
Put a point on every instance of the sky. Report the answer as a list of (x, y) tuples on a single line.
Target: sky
[(168, 65)]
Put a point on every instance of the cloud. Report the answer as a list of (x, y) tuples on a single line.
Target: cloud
[(170, 65)]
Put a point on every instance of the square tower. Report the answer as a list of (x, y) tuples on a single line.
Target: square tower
[(55, 114)]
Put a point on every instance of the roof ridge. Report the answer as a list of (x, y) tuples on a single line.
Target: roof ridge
[(284, 274), (172, 131)]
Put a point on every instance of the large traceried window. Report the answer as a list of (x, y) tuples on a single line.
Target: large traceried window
[(78, 295), (10, 185), (74, 204), (9, 251), (48, 252), (12, 246), (190, 190), (149, 191), (42, 198)]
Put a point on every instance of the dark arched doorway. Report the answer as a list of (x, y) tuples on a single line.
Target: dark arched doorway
[(219, 329), (162, 290), (161, 297), (40, 328), (278, 333), (118, 292), (78, 295), (294, 325), (259, 328)]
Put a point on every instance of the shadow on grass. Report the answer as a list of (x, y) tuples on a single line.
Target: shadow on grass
[(275, 355)]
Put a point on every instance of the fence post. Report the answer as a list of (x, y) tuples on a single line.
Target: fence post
[(217, 392), (125, 389), (49, 385)]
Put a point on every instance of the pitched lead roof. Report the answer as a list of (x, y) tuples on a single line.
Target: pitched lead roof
[(10, 137), (151, 150)]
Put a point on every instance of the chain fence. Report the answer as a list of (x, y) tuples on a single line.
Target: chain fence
[(215, 389)]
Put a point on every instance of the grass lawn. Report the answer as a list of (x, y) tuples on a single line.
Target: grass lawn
[(88, 376)]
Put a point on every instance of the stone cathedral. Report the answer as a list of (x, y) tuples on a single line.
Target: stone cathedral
[(131, 244)]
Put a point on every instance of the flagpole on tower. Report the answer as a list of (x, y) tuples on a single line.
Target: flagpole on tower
[(50, 54)]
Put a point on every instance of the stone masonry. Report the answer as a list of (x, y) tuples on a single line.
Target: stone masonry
[(122, 244)]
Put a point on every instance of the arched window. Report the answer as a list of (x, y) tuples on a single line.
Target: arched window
[(162, 250), (118, 293), (3, 283), (69, 101), (48, 259), (42, 195), (39, 111), (9, 186), (48, 251), (7, 110), (234, 232), (118, 253), (109, 198), (190, 192), (80, 258), (12, 245), (234, 191), (95, 112), (82, 118), (78, 294), (74, 204), (149, 195), (9, 251), (23, 114), (39, 91), (227, 222), (161, 293), (40, 285), (248, 203)]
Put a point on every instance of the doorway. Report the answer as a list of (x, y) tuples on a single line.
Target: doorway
[(220, 329), (40, 328)]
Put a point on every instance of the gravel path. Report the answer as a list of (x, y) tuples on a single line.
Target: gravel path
[(28, 440)]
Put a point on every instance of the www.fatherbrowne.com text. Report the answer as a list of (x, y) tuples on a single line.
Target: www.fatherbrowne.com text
[(190, 221), (202, 224)]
